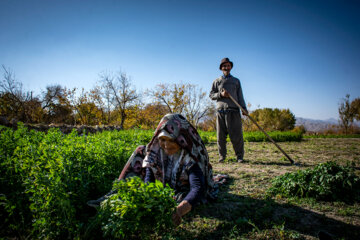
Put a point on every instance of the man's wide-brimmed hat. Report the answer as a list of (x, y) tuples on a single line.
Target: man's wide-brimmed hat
[(225, 60)]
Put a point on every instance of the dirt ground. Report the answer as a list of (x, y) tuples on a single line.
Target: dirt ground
[(244, 211)]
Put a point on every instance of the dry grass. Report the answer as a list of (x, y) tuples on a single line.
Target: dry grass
[(243, 210)]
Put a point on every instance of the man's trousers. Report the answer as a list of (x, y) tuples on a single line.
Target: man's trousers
[(229, 122)]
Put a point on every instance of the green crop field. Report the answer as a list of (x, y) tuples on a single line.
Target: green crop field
[(332, 136), (258, 136), (46, 180)]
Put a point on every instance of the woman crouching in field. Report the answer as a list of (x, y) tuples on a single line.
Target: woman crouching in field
[(177, 156)]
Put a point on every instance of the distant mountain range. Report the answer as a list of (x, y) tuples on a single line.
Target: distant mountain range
[(318, 125)]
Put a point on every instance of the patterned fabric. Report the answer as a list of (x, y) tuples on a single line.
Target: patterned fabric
[(193, 151), (189, 140), (133, 167), (172, 167)]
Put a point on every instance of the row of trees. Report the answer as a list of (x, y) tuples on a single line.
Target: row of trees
[(115, 101)]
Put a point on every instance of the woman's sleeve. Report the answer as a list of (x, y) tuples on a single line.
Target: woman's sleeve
[(197, 185), (149, 176)]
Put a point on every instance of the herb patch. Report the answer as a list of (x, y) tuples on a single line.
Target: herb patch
[(137, 210), (327, 181)]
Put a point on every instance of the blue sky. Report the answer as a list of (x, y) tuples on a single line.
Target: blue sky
[(302, 55)]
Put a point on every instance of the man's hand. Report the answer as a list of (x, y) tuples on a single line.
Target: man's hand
[(224, 93), (245, 112)]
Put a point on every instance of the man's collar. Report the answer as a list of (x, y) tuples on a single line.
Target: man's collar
[(223, 76)]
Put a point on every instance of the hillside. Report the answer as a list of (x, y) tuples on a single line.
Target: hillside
[(313, 125)]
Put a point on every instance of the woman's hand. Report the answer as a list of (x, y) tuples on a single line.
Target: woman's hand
[(183, 208), (176, 219)]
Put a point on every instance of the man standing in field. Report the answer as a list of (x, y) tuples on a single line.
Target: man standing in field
[(228, 119)]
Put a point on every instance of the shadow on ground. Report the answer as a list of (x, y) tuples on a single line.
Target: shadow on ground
[(246, 215)]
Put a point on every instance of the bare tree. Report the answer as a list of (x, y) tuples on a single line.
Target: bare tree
[(197, 105), (346, 114), (186, 99), (121, 91), (14, 102), (105, 94), (11, 94), (9, 83), (208, 122)]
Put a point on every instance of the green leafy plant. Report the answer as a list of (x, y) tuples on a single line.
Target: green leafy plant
[(258, 136), (324, 135), (137, 210), (47, 178), (15, 214), (327, 181), (277, 136)]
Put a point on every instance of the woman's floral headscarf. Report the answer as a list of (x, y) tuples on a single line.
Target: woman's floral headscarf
[(188, 139)]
